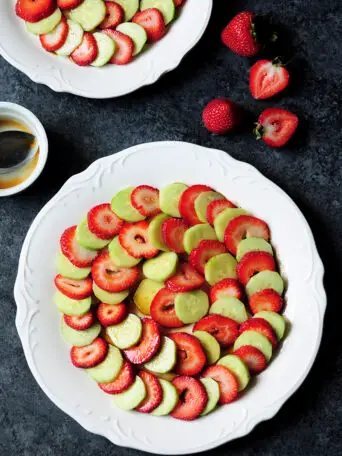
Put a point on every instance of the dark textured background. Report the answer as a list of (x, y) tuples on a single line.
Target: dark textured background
[(309, 171)]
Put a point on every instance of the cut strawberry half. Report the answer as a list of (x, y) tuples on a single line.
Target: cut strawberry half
[(216, 207), (276, 126), (252, 263), (185, 279), (114, 16), (266, 299), (187, 203), (228, 384), (163, 309), (267, 78), (90, 355), (74, 289), (80, 322), (261, 326), (148, 345), (190, 355), (254, 359), (173, 231), (225, 330), (146, 200), (244, 226), (152, 21), (135, 240), (86, 52), (103, 222), (124, 47), (55, 39), (110, 277), (203, 252), (34, 10), (154, 393), (68, 4), (224, 288), (122, 382), (111, 314), (192, 398), (79, 256)]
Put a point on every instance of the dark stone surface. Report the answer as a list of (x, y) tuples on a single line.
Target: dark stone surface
[(82, 130)]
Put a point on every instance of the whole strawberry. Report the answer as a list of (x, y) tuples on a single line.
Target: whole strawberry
[(239, 35), (220, 116)]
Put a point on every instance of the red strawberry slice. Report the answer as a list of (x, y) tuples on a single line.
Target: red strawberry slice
[(192, 398), (252, 263), (114, 16), (261, 326), (124, 47), (135, 240), (103, 222), (216, 207), (86, 52), (225, 330), (266, 299), (153, 22), (55, 39), (228, 384), (34, 10), (267, 78), (111, 314), (178, 2), (276, 126), (185, 279), (74, 289), (254, 359), (239, 35), (173, 231), (146, 200), (68, 4), (163, 309), (80, 322), (90, 355), (154, 393), (190, 355), (187, 203), (148, 345), (79, 256), (203, 252), (224, 288), (110, 277), (122, 382), (244, 226)]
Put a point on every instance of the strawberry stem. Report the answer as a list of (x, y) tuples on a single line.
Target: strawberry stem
[(258, 131)]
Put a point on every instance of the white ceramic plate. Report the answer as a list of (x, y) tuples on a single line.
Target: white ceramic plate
[(158, 164), (23, 50)]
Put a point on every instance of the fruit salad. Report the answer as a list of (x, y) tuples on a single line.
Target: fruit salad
[(171, 300)]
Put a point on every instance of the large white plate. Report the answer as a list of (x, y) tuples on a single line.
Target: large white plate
[(23, 50), (158, 164)]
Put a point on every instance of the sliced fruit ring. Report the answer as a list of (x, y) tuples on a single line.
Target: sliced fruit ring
[(123, 54), (56, 38), (253, 358), (227, 381), (169, 198), (190, 354), (216, 207), (80, 338), (266, 300), (220, 267), (185, 279), (87, 239), (76, 254), (120, 256), (145, 199), (109, 298), (45, 25), (74, 289), (169, 400), (205, 250), (71, 306), (187, 203), (191, 306), (225, 330), (225, 288), (136, 33), (202, 202), (173, 231), (114, 15), (153, 23), (103, 222), (255, 339), (145, 294), (238, 368), (34, 10), (132, 396), (155, 232), (135, 240), (123, 381), (89, 355), (163, 309), (261, 326), (230, 307), (210, 346), (277, 322), (161, 267), (154, 393), (213, 393), (194, 235), (86, 52), (192, 398), (80, 322), (265, 280), (165, 358), (67, 269), (68, 4), (105, 47), (166, 7), (222, 220), (109, 369), (242, 227), (252, 244), (111, 314), (148, 344), (130, 7), (89, 14), (121, 203), (127, 333), (74, 39)]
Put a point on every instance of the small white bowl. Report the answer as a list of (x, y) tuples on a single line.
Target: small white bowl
[(12, 111)]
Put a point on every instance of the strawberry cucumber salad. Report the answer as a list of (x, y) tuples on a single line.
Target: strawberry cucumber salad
[(170, 299), (96, 32)]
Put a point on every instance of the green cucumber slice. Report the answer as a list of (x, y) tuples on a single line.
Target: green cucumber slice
[(220, 267), (230, 307), (161, 267), (213, 393), (202, 202), (253, 244), (45, 25), (195, 234), (109, 369), (155, 232), (238, 368), (222, 220), (67, 269), (169, 197), (130, 7), (120, 256), (74, 39), (80, 338), (265, 279), (191, 306), (169, 401), (277, 321), (71, 306), (107, 297), (136, 33), (131, 397), (165, 359), (166, 7), (255, 339), (89, 14), (87, 239), (121, 205), (210, 346), (126, 334), (145, 293), (106, 49)]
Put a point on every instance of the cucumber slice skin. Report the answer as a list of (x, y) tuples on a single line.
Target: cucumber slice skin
[(132, 397), (191, 306), (89, 14), (107, 297), (256, 340), (265, 279), (277, 321), (230, 307), (45, 25), (145, 293), (79, 338), (169, 401), (238, 368), (121, 205), (166, 7), (136, 33), (210, 346), (220, 267), (130, 8), (120, 256), (165, 359), (202, 202), (67, 269), (70, 306), (169, 197), (74, 39), (87, 239), (213, 393), (126, 334), (222, 220), (106, 48), (252, 244), (109, 369), (161, 267), (155, 232), (195, 234)]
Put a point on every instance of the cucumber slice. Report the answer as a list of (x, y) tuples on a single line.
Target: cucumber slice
[(130, 7), (145, 293), (220, 267), (121, 205), (87, 239), (165, 359), (161, 267), (255, 339), (222, 220), (106, 49), (89, 14), (210, 346), (131, 397), (166, 7), (67, 269), (169, 401), (71, 306), (136, 32), (74, 39), (202, 202), (126, 334), (155, 232), (120, 256), (277, 321), (230, 307), (107, 297), (109, 369), (252, 244), (194, 235), (213, 393), (191, 306), (45, 25), (80, 338), (238, 368), (169, 197), (265, 279)]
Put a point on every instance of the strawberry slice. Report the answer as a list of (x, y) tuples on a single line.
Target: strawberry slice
[(178, 2), (203, 252), (266, 299), (86, 52), (225, 330), (224, 288), (192, 398), (68, 4), (254, 359), (190, 355), (252, 263), (154, 393), (110, 277), (90, 355), (79, 256), (216, 207), (34, 10), (80, 322), (114, 16), (55, 39), (111, 314), (146, 200), (187, 203), (124, 47), (135, 240), (173, 231), (148, 345), (74, 289), (163, 309), (123, 381), (185, 279), (267, 78), (244, 226), (103, 222), (152, 21), (261, 326), (276, 126), (228, 384)]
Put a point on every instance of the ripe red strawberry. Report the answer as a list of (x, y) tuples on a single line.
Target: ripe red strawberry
[(190, 355), (148, 345), (154, 393), (110, 277), (239, 35), (55, 39), (185, 279), (123, 381), (178, 2), (34, 10), (153, 22), (74, 289), (173, 231), (266, 299), (267, 78), (228, 384), (111, 314), (276, 126), (224, 288), (135, 240), (261, 326), (216, 207), (225, 330), (114, 16), (244, 226), (146, 200), (124, 47), (76, 254), (220, 116), (252, 263), (86, 52), (205, 250), (80, 322), (103, 222), (68, 4), (163, 309), (192, 398), (254, 359), (187, 203), (90, 355)]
